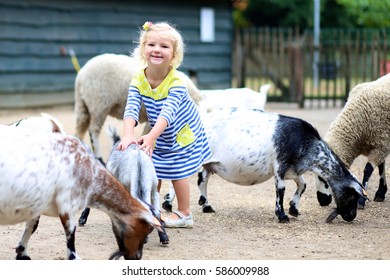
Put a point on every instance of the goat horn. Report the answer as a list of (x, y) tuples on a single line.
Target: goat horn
[(116, 255), (332, 215), (157, 224)]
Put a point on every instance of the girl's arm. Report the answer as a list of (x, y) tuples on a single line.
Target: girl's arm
[(128, 136), (147, 141), (130, 116)]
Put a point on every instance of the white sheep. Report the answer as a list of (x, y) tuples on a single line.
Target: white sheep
[(362, 128), (135, 170), (251, 146), (53, 174), (101, 89)]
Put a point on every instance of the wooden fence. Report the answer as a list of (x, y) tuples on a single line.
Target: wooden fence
[(285, 58)]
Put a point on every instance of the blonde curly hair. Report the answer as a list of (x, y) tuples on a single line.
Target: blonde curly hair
[(170, 31)]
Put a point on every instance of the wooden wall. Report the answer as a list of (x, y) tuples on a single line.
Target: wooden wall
[(32, 32)]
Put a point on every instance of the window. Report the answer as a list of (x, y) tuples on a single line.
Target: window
[(207, 25)]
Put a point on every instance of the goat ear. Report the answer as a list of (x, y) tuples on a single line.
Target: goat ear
[(360, 190), (363, 192)]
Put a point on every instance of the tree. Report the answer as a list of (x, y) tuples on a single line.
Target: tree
[(291, 13), (239, 19), (367, 13), (280, 13)]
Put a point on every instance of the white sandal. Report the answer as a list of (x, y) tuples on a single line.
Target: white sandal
[(182, 222)]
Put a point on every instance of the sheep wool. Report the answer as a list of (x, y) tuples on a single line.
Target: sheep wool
[(362, 128)]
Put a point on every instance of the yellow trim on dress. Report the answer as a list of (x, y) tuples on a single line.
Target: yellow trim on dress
[(162, 90)]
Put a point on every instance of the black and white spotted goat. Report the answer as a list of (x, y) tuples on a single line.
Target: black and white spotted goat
[(251, 146), (54, 175)]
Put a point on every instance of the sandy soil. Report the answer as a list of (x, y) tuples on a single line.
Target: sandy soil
[(243, 227)]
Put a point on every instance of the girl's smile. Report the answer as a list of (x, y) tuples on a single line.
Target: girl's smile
[(158, 50)]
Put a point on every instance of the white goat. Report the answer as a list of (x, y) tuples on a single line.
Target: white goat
[(135, 170), (53, 174), (233, 98), (44, 123), (251, 146)]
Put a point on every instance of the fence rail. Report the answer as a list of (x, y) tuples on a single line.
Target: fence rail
[(285, 58)]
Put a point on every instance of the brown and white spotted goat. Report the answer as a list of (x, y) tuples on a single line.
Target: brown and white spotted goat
[(43, 123), (54, 175), (135, 170)]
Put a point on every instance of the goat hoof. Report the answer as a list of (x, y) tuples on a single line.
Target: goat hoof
[(164, 239), (283, 218), (361, 203), (293, 212), (164, 242), (379, 199), (202, 200), (208, 209), (73, 256), (82, 221), (167, 206), (23, 258)]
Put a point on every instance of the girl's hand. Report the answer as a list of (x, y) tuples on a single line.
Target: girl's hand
[(146, 143), (126, 141)]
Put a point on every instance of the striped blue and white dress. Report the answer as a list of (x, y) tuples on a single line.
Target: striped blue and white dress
[(183, 146)]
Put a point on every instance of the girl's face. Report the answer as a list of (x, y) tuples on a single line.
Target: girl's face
[(158, 50)]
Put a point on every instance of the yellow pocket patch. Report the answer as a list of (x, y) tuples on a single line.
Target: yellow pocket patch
[(185, 136)]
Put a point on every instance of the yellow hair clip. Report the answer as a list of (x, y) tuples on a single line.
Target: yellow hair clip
[(147, 25)]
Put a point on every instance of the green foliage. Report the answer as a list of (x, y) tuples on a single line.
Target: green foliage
[(368, 13), (334, 13), (279, 13), (239, 19)]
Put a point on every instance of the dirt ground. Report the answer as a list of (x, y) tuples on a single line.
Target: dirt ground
[(243, 227)]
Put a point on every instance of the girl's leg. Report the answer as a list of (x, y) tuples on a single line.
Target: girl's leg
[(159, 185), (182, 190)]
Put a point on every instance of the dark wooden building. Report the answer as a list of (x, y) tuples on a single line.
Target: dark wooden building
[(34, 70)]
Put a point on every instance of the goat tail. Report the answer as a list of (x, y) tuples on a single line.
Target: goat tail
[(113, 133)]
